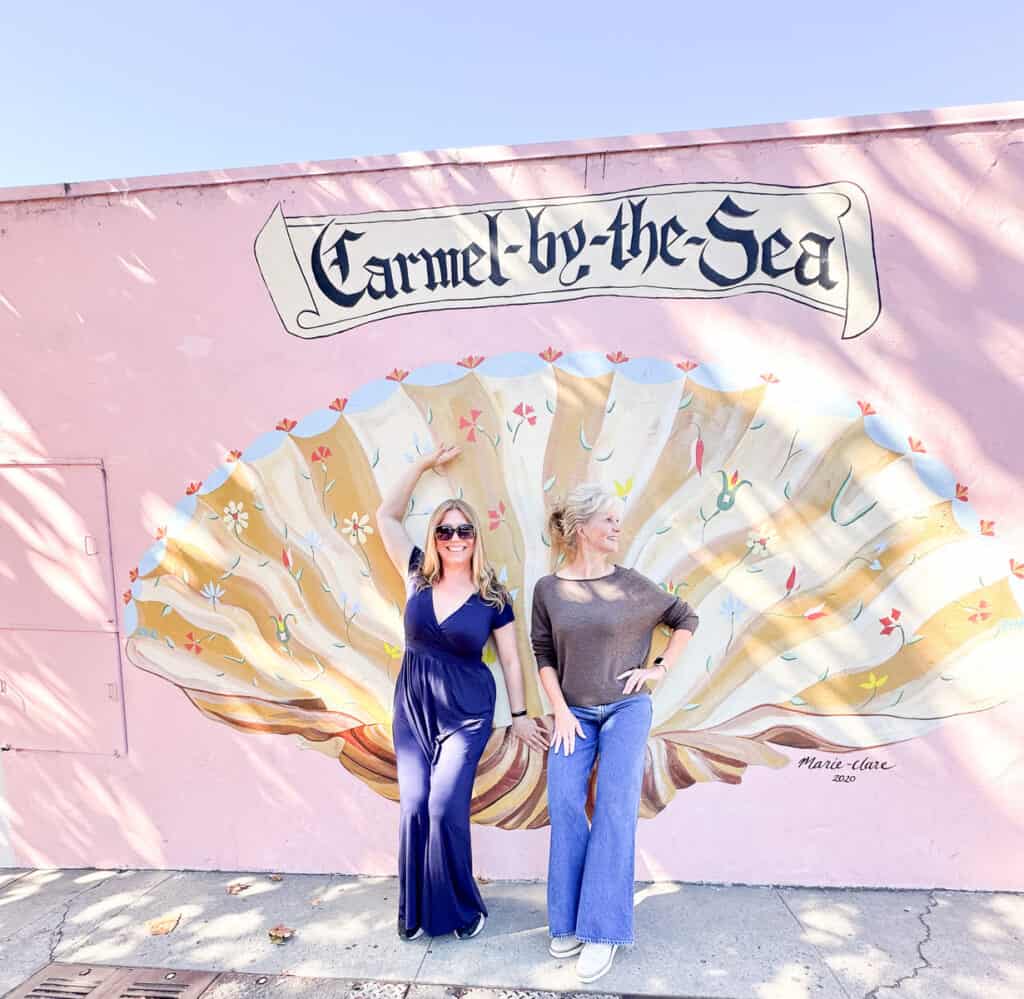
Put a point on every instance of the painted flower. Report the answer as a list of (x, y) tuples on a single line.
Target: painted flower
[(213, 592), (731, 606), (312, 541), (697, 455), (814, 613), (134, 574), (471, 361), (791, 581), (760, 539), (1017, 568), (988, 528), (730, 487), (623, 489), (769, 378), (687, 365), (192, 644), (392, 651), (127, 596), (981, 612), (890, 623), (338, 404), (236, 517), (286, 425), (397, 375), (233, 455), (961, 492), (160, 533), (866, 409), (357, 528), (497, 516), (617, 357), (192, 488), (874, 682), (321, 454), (526, 413), (916, 446), (286, 558), (550, 355), (470, 423)]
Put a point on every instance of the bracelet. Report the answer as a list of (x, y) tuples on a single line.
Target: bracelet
[(659, 661), (519, 714)]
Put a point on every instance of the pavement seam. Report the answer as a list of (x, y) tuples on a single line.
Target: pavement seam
[(821, 957), (933, 903), (112, 915), (423, 960)]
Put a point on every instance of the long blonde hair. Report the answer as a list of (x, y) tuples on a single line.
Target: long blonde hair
[(484, 577), (567, 515)]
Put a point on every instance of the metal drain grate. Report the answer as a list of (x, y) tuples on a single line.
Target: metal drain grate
[(148, 983), (97, 981), (68, 981)]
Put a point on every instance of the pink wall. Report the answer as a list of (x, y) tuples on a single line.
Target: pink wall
[(138, 333)]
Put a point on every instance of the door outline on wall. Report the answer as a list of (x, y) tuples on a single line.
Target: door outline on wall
[(91, 546)]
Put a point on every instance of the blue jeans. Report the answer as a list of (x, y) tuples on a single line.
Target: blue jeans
[(591, 865)]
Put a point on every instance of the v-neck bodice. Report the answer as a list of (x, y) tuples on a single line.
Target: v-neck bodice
[(444, 681)]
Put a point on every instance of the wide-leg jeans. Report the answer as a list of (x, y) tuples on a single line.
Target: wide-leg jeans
[(591, 865)]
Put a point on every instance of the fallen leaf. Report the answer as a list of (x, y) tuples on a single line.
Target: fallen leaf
[(484, 881), (279, 934), (164, 925), (237, 889), (316, 901), (277, 877)]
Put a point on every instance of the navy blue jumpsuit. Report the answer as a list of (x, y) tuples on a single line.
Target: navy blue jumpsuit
[(443, 713)]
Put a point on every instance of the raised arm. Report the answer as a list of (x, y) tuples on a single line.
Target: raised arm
[(394, 506)]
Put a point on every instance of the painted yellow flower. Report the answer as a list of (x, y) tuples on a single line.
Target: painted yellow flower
[(623, 489), (393, 651), (874, 682)]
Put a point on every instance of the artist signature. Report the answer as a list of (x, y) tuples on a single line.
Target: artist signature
[(841, 768)]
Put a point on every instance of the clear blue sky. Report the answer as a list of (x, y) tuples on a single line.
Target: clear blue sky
[(99, 90)]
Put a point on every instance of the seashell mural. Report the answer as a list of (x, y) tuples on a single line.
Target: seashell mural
[(849, 595)]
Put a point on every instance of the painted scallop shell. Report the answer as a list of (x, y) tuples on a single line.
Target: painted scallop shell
[(849, 596)]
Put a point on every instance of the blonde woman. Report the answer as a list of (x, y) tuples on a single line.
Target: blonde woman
[(444, 704), (591, 634)]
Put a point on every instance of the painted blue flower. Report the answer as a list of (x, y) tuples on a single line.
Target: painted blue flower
[(732, 606), (213, 592)]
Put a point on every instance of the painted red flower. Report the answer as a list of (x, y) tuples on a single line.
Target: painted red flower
[(286, 425), (133, 575), (617, 358), (550, 355), (769, 378), (866, 409), (471, 361), (496, 517), (1017, 568), (526, 413), (816, 612), (127, 596), (916, 446), (889, 624), (192, 488), (687, 365), (397, 375), (469, 423), (791, 580), (981, 613), (160, 533), (286, 559), (988, 528), (192, 644), (320, 454), (961, 492), (338, 404), (697, 456), (233, 455), (734, 479)]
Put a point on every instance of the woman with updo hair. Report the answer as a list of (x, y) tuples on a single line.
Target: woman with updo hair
[(591, 634)]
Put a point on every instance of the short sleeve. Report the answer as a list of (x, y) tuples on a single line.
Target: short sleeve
[(499, 618)]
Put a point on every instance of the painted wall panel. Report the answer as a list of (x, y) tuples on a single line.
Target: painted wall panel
[(794, 353)]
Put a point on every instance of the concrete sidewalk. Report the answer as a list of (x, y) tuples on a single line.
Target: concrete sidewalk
[(702, 941)]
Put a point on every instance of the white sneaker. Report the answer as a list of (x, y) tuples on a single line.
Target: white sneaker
[(561, 947), (595, 961)]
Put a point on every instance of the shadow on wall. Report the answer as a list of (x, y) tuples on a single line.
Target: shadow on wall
[(761, 673)]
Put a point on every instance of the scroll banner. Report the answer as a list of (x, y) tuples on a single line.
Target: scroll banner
[(813, 245)]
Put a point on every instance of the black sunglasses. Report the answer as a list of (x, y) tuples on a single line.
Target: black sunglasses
[(445, 532)]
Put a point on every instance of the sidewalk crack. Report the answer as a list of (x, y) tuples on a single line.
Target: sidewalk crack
[(57, 933), (128, 905), (821, 957), (923, 962)]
